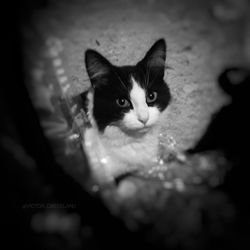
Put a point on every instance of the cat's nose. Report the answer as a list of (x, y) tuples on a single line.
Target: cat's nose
[(143, 117)]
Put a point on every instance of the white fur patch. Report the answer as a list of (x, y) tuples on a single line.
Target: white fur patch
[(141, 116), (131, 150), (154, 114), (138, 99), (114, 153)]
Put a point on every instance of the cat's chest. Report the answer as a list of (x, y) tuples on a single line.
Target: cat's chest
[(134, 150)]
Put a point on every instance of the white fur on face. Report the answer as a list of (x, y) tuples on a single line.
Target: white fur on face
[(141, 116)]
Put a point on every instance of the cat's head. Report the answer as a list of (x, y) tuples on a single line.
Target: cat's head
[(129, 97)]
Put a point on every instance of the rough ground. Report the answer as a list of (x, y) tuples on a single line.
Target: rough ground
[(199, 47)]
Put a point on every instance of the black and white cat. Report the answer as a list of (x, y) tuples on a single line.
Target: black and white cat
[(124, 105)]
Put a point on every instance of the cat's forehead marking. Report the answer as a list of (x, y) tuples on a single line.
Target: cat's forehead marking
[(138, 99), (137, 93)]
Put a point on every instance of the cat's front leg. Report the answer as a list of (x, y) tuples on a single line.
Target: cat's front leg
[(99, 161), (106, 164)]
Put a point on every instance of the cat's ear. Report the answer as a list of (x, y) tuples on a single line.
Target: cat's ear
[(97, 66), (156, 56)]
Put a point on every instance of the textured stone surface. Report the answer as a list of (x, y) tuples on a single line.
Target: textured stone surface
[(198, 48)]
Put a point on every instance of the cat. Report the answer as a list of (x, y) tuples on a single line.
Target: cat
[(124, 106)]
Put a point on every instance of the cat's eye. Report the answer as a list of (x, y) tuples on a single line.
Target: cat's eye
[(151, 97), (122, 102)]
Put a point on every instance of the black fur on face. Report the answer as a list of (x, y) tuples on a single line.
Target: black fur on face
[(111, 82)]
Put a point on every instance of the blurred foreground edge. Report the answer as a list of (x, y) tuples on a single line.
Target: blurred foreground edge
[(29, 166)]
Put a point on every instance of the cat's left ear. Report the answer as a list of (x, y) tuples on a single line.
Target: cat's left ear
[(97, 66), (156, 56)]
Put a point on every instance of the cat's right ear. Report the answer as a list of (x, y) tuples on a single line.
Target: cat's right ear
[(155, 57), (97, 66)]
